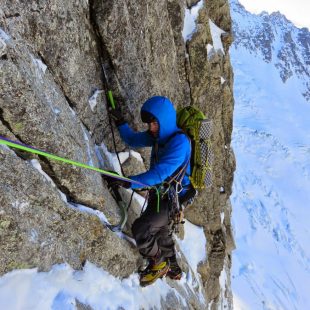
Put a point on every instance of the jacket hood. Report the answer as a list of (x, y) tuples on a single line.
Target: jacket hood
[(165, 114)]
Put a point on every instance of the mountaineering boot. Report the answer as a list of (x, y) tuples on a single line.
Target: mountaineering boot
[(175, 271), (155, 270), (148, 263)]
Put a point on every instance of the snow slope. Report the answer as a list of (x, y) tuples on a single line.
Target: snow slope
[(63, 288), (271, 140)]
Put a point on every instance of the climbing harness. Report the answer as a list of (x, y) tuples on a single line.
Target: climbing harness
[(170, 190)]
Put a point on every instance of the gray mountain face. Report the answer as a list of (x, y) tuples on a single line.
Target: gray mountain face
[(53, 98), (277, 40)]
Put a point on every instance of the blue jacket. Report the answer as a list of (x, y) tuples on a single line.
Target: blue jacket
[(173, 148)]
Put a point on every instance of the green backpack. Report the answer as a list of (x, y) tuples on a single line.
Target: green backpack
[(194, 123)]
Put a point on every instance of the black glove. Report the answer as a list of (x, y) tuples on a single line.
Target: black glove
[(189, 196), (112, 182), (117, 116)]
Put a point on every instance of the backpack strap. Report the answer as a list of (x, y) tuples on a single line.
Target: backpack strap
[(180, 172)]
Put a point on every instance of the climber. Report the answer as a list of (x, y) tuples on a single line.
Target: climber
[(169, 170)]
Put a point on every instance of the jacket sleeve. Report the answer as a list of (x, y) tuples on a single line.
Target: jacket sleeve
[(177, 152), (133, 138)]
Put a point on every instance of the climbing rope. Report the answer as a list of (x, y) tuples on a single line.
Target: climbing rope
[(30, 149)]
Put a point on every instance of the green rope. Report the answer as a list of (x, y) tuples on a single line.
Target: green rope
[(65, 160), (111, 99), (158, 198), (7, 142)]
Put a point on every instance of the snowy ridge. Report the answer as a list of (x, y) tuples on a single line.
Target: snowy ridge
[(276, 40), (271, 141)]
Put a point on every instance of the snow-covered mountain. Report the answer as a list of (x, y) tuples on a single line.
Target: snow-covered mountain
[(271, 140), (276, 40)]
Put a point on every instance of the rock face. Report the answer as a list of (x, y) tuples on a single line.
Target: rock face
[(40, 229), (56, 60), (211, 90)]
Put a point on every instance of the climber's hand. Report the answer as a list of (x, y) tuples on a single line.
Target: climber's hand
[(112, 181), (117, 116)]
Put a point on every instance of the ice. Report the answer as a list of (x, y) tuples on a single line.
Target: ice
[(190, 20), (93, 99), (216, 33), (39, 63)]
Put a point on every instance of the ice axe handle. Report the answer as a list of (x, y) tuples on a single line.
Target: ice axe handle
[(111, 99)]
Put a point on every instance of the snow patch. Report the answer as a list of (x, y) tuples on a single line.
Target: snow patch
[(84, 209), (40, 65), (193, 245), (210, 305), (63, 196), (123, 156), (72, 111), (20, 205), (222, 217), (56, 111), (2, 47), (89, 151), (210, 51), (223, 283), (92, 286), (239, 304), (3, 36), (216, 33), (93, 99), (103, 219), (136, 155), (35, 163), (222, 80), (6, 148), (100, 156), (108, 160), (33, 236), (190, 20)]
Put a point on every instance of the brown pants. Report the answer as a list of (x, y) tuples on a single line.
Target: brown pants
[(151, 230)]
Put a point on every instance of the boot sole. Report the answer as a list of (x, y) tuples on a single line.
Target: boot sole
[(160, 275), (177, 277)]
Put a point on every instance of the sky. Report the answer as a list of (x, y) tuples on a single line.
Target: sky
[(296, 11)]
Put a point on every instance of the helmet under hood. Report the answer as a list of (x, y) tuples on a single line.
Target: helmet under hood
[(162, 110)]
